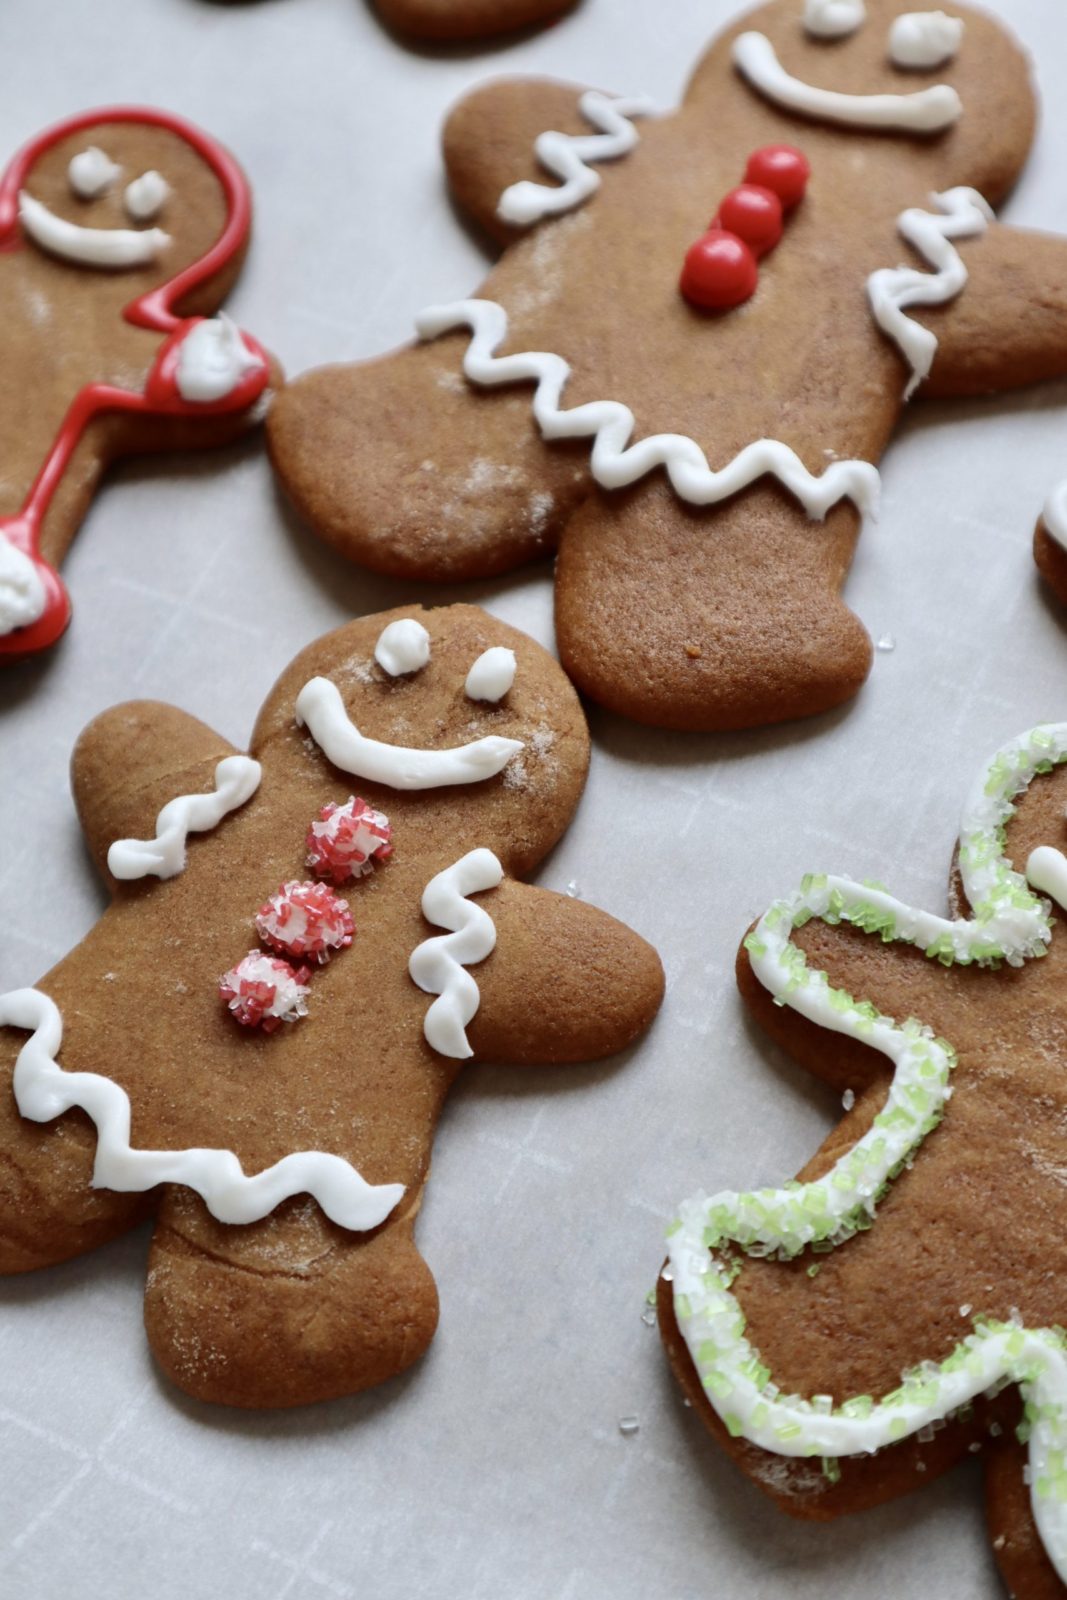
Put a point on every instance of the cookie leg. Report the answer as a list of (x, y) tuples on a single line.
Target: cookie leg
[(287, 1311), (49, 1210), (1017, 1546), (803, 1488), (724, 618), (404, 468)]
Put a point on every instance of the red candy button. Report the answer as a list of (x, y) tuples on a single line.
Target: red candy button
[(782, 168), (754, 213), (720, 271)]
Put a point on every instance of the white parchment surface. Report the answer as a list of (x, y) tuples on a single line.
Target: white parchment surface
[(497, 1469)]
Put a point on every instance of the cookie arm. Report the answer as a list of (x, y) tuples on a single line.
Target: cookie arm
[(565, 983), (130, 761), (1008, 327), (489, 137)]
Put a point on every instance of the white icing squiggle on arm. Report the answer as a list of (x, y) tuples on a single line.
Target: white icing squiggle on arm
[(927, 111), (1009, 924), (43, 1091), (236, 780), (438, 965), (320, 708), (892, 290), (566, 155), (616, 464)]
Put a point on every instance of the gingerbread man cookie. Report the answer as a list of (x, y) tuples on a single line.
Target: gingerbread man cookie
[(912, 1286), (256, 1039), (448, 20), (121, 233), (702, 472)]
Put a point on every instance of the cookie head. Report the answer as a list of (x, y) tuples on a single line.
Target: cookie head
[(462, 730), (129, 194), (950, 84)]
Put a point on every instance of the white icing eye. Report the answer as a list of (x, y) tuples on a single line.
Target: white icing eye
[(91, 173), (402, 647), (833, 19), (924, 39), (146, 196), (492, 675)]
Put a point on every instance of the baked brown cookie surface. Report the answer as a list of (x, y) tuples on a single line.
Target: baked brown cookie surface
[(279, 1125), (438, 462), (850, 1336), (123, 230), (447, 20)]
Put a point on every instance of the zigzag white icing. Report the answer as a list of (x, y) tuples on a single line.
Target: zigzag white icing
[(892, 290), (1009, 924), (610, 424), (43, 1091), (236, 780), (566, 154), (438, 965)]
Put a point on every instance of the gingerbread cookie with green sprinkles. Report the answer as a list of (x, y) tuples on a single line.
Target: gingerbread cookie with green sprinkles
[(857, 1332)]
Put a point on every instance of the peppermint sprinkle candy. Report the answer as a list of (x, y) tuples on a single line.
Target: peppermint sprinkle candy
[(346, 840), (263, 992), (305, 919)]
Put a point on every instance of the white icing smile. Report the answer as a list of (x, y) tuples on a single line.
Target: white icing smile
[(89, 247), (927, 111), (321, 710)]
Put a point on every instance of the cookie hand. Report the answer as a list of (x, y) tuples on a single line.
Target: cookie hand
[(1010, 327), (556, 958), (132, 761), (489, 139)]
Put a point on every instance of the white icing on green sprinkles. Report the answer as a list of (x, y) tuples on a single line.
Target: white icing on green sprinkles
[(1010, 924)]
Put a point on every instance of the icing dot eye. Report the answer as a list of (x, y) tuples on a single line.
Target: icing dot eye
[(492, 675), (146, 196), (91, 173), (833, 19), (402, 647), (924, 39)]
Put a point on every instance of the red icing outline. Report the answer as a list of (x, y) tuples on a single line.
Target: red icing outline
[(153, 310)]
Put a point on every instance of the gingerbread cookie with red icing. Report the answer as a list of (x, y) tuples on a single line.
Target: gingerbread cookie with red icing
[(121, 233), (849, 1336), (448, 20), (700, 455), (303, 946)]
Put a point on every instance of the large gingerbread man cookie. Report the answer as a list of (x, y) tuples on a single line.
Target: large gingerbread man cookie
[(256, 1039), (912, 1284), (693, 416), (447, 20), (121, 233)]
